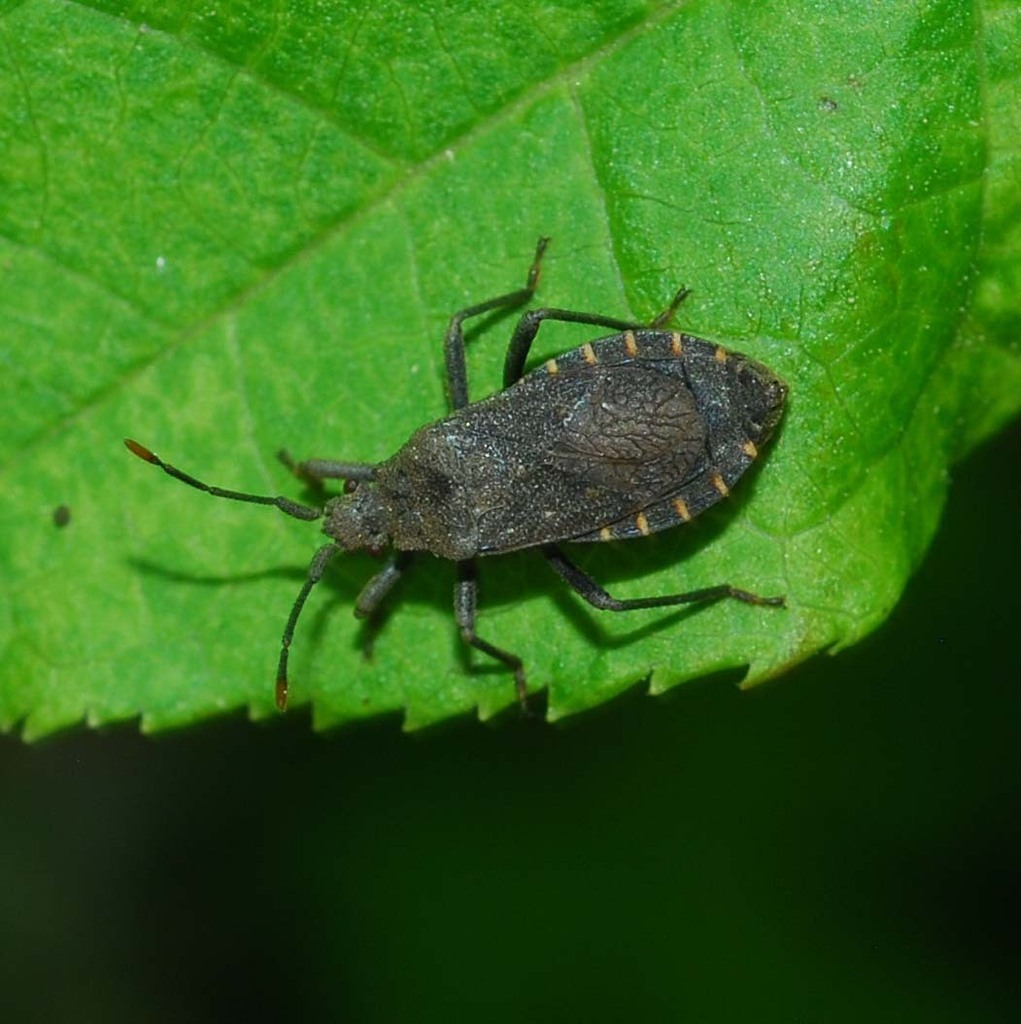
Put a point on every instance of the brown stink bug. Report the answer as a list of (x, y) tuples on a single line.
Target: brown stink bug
[(622, 437)]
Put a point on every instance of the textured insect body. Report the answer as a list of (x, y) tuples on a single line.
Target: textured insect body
[(622, 437)]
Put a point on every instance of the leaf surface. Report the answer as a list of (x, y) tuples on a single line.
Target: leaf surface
[(234, 228)]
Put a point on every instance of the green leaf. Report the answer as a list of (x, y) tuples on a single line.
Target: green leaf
[(228, 229)]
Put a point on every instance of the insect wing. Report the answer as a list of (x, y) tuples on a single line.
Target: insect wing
[(564, 453)]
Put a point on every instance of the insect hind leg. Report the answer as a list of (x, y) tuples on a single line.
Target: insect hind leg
[(586, 587)]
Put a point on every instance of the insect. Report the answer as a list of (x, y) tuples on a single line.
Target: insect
[(622, 437)]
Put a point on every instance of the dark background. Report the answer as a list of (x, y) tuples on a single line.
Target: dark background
[(842, 845)]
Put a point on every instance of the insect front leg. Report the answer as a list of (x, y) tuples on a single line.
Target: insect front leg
[(583, 584), (465, 612), (315, 471), (369, 605), (453, 342), (375, 591)]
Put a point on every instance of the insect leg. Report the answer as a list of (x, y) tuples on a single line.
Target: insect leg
[(315, 574), (583, 584), (374, 592), (465, 609), (369, 605), (528, 327), (453, 342), (662, 319), (315, 471)]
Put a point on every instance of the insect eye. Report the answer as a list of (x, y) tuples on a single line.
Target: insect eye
[(350, 486)]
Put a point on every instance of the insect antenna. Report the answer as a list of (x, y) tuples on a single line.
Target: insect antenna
[(288, 507), (315, 574)]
